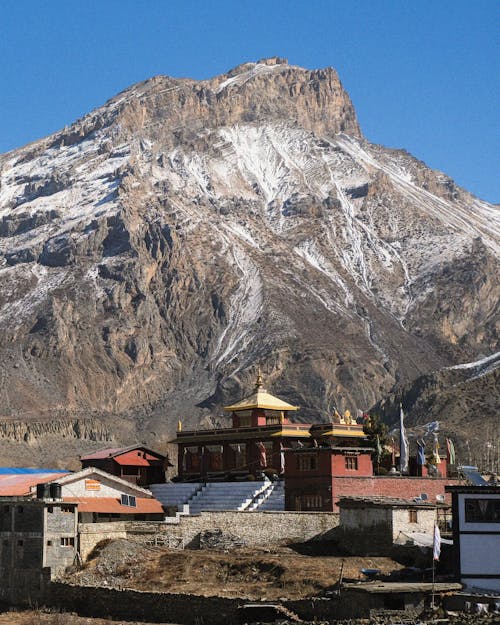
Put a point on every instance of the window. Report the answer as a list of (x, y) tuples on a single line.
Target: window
[(20, 543), (50, 509), (67, 509), (412, 516), (128, 500), (307, 462), (272, 420), (351, 463), (67, 541), (49, 543), (311, 502), (130, 471), (482, 510)]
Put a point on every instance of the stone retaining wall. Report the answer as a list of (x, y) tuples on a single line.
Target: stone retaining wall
[(160, 607), (254, 528)]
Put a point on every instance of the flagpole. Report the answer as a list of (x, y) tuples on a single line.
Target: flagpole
[(433, 578), (436, 552)]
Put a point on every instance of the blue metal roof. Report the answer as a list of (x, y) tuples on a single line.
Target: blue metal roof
[(28, 470)]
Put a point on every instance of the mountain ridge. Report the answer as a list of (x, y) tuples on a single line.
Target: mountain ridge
[(157, 250)]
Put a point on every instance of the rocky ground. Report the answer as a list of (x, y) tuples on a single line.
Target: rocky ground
[(49, 617), (41, 617), (253, 574)]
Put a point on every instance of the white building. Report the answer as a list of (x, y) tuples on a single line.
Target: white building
[(373, 525), (101, 496), (476, 535)]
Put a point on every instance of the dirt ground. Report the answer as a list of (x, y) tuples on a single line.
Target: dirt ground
[(39, 617), (254, 574)]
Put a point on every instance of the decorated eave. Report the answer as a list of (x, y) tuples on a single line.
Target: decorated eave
[(202, 437), (339, 430)]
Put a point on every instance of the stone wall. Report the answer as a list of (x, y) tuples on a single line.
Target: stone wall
[(401, 521), (159, 607), (90, 534), (254, 528)]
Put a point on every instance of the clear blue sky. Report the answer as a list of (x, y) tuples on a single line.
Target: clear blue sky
[(423, 74)]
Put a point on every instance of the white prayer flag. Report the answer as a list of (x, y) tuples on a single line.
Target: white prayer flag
[(403, 444), (436, 551)]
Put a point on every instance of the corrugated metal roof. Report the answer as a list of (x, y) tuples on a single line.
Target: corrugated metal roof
[(15, 485), (131, 458), (359, 501), (105, 453), (112, 452), (110, 505), (28, 470)]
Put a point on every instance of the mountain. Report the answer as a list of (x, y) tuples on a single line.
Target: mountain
[(159, 249), (464, 399)]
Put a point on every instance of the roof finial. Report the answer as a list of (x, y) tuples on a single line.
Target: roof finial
[(258, 383)]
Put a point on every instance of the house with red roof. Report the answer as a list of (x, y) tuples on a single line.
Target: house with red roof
[(103, 497), (19, 482), (99, 496), (136, 464)]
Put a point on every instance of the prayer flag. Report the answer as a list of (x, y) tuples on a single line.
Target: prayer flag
[(403, 444), (282, 458), (436, 550), (421, 452), (450, 447), (437, 459), (262, 455)]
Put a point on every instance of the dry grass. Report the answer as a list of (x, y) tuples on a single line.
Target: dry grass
[(41, 617), (246, 573)]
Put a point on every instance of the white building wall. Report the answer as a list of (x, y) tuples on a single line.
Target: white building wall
[(479, 550), (401, 521), (107, 488), (484, 584)]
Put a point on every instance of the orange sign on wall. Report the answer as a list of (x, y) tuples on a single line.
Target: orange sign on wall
[(92, 485)]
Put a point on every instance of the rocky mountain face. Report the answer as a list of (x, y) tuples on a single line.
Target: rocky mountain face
[(464, 399), (158, 250)]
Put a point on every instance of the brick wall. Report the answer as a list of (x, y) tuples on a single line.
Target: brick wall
[(404, 487)]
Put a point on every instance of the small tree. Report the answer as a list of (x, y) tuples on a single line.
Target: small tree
[(377, 433)]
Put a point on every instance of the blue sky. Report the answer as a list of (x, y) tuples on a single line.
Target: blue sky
[(423, 75)]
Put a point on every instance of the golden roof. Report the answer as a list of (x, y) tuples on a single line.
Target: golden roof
[(260, 398), (342, 432), (292, 433)]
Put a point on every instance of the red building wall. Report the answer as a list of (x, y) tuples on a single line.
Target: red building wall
[(364, 465), (404, 487)]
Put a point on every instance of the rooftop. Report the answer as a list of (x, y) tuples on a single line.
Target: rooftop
[(112, 505), (383, 502), (260, 398), (473, 490), (405, 587), (112, 452), (12, 485)]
